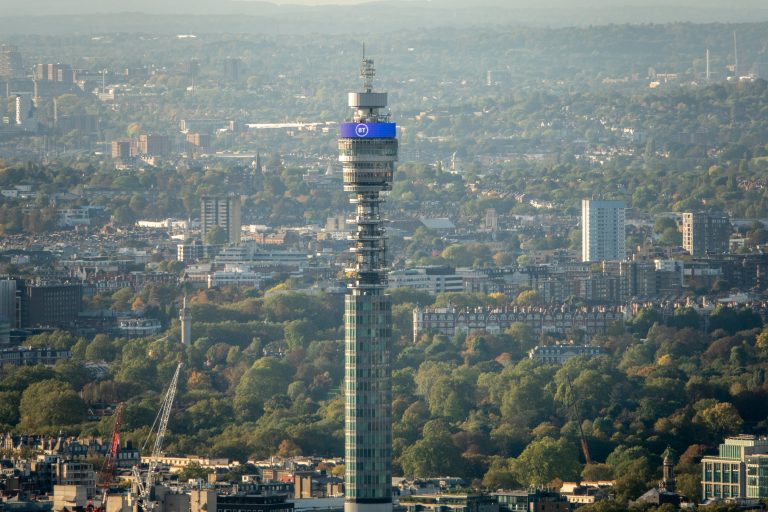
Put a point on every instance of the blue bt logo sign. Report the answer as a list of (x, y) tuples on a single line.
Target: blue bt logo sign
[(368, 130)]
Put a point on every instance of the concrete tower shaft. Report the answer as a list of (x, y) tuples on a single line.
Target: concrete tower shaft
[(185, 319), (367, 152)]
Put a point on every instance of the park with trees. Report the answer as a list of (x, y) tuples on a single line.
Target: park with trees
[(264, 376)]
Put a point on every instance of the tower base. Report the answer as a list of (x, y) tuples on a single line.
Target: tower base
[(351, 506)]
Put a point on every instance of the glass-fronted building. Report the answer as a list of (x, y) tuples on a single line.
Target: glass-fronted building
[(757, 476), (739, 471)]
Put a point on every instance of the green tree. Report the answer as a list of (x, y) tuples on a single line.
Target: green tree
[(451, 396), (604, 506), (297, 333), (527, 400), (100, 349), (78, 349), (689, 484), (458, 254), (266, 378), (216, 235), (72, 372), (50, 403), (462, 300), (122, 299), (522, 335), (643, 322), (123, 215), (638, 355), (720, 419), (633, 480), (59, 340), (21, 377), (671, 237), (194, 471), (621, 458), (664, 223), (500, 475), (9, 408), (435, 454), (524, 260), (321, 310), (546, 459), (732, 320), (597, 471), (410, 296), (685, 317), (527, 298)]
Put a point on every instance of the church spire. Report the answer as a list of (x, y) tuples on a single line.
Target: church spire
[(668, 483)]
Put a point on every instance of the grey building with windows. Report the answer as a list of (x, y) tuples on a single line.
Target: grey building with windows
[(706, 233), (50, 304), (603, 230), (222, 211)]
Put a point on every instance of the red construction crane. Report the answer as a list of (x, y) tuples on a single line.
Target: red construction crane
[(110, 460), (574, 406)]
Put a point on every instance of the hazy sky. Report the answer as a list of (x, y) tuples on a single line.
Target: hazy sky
[(343, 16), (97, 5), (570, 4)]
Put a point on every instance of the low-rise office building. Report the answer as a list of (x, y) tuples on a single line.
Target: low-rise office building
[(542, 319), (740, 470), (177, 463), (533, 500), (560, 353), (450, 503), (50, 304), (241, 502), (138, 327), (432, 280), (29, 356)]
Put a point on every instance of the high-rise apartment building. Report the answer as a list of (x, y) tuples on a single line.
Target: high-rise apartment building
[(602, 230), (192, 68), (25, 111), (154, 145), (10, 303), (10, 61), (706, 233), (368, 151), (54, 73), (232, 69), (222, 211), (199, 141), (491, 219), (121, 149)]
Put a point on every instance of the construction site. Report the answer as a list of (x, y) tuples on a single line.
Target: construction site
[(59, 479)]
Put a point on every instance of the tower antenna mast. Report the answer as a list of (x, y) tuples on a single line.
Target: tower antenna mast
[(367, 72)]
